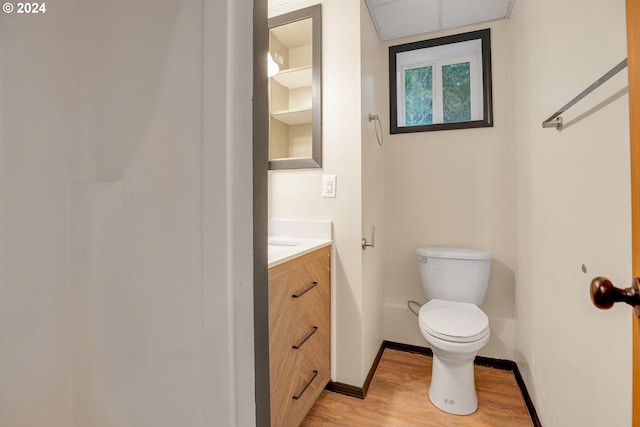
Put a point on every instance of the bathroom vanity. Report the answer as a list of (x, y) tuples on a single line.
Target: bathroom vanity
[(299, 326)]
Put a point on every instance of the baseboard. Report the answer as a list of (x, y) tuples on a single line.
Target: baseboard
[(346, 389), (353, 391), (407, 348), (527, 399), (372, 371), (507, 365)]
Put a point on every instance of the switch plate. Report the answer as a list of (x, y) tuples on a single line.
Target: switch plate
[(329, 186)]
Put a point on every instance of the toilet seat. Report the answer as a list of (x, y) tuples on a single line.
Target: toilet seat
[(453, 321)]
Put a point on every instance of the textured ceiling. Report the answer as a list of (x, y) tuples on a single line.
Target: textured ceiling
[(395, 19)]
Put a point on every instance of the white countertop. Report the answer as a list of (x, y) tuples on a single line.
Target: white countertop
[(283, 249)]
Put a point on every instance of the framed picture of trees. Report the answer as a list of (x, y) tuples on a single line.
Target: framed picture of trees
[(441, 84)]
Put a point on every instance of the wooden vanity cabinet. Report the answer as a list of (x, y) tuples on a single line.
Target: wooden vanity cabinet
[(299, 335)]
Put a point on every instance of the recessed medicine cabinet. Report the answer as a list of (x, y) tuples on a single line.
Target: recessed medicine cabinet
[(295, 89)]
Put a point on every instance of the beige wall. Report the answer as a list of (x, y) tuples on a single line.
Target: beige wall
[(453, 188), (125, 300), (573, 208)]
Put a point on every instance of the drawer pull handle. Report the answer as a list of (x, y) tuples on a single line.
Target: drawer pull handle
[(299, 294), (299, 395), (304, 340)]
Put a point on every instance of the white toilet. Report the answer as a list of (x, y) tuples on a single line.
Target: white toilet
[(455, 281)]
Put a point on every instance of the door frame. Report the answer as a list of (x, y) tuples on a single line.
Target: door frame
[(260, 213), (633, 64)]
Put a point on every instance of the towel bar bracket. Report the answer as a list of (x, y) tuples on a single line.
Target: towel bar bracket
[(556, 120), (555, 123)]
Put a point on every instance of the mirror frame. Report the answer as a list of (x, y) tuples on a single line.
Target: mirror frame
[(487, 120), (315, 161)]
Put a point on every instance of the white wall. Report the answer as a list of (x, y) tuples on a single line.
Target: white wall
[(38, 108), (453, 188), (373, 63), (126, 300), (229, 379), (297, 194), (573, 208), (138, 286)]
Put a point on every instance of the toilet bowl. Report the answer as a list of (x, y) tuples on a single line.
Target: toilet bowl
[(455, 280), (455, 332)]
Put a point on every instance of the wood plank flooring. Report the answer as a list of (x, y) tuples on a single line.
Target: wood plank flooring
[(398, 397)]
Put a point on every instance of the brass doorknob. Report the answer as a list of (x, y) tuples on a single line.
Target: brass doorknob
[(604, 294)]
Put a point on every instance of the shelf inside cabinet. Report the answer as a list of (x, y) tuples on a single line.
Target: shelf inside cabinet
[(293, 78), (293, 117)]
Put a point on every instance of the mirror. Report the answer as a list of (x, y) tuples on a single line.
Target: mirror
[(295, 101), (441, 84)]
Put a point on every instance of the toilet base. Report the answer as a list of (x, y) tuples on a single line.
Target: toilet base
[(453, 388)]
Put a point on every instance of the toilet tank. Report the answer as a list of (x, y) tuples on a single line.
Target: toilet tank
[(454, 274)]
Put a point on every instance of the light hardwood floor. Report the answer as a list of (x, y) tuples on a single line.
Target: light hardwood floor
[(398, 397)]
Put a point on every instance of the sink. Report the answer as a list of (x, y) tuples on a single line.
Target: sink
[(274, 242), (278, 245), (284, 248), (290, 239)]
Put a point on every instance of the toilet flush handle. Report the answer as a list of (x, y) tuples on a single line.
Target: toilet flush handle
[(604, 294)]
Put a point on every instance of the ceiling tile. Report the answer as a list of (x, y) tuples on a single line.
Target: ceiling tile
[(401, 18), (396, 19), (458, 13)]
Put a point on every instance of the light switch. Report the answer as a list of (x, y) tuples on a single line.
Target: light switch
[(329, 186)]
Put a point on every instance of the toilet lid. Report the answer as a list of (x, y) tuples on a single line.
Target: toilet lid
[(454, 321)]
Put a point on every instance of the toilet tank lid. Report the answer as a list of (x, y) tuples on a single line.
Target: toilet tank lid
[(453, 253)]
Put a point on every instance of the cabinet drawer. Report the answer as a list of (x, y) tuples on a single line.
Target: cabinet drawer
[(290, 404), (320, 270), (309, 337), (294, 293), (291, 295)]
